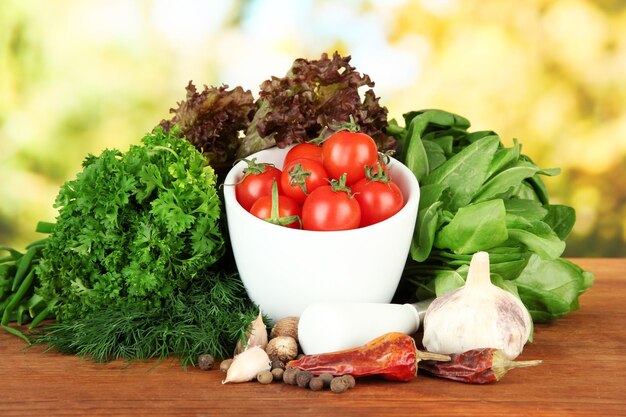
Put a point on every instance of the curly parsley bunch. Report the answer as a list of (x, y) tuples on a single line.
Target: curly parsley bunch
[(132, 228)]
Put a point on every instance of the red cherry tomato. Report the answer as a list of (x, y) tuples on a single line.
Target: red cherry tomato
[(378, 200), (288, 214), (301, 177), (349, 152), (327, 209), (257, 182), (305, 150)]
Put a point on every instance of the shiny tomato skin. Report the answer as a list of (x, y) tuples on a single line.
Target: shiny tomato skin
[(254, 186), (328, 210), (349, 152), (304, 150), (378, 200), (262, 208), (317, 176)]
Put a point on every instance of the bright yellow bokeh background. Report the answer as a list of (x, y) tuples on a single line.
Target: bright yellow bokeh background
[(80, 76)]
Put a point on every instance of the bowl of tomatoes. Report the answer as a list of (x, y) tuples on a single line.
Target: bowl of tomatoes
[(310, 223)]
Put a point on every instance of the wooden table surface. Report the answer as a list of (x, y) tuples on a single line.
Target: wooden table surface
[(584, 373)]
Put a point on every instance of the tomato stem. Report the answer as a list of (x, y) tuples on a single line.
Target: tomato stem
[(253, 167), (350, 126), (275, 211), (340, 185), (385, 157), (320, 138), (377, 173), (298, 176)]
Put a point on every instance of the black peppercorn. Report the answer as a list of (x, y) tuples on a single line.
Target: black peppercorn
[(278, 373), (303, 378), (205, 361), (339, 385), (316, 384), (326, 378), (289, 376)]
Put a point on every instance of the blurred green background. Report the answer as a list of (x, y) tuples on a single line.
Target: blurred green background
[(80, 76)]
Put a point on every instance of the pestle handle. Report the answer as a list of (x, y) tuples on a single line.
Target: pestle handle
[(333, 326)]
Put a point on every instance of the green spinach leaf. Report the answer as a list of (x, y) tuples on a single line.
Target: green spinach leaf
[(446, 281), (474, 228), (550, 288), (503, 182), (561, 219), (435, 154), (540, 239), (479, 195), (526, 209), (503, 158), (465, 172), (425, 230)]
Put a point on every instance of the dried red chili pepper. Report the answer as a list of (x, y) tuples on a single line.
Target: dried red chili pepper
[(392, 356), (476, 366)]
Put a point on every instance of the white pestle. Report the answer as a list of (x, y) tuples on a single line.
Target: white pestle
[(332, 326)]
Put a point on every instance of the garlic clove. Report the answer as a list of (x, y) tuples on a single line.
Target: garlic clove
[(256, 335), (477, 315), (247, 365)]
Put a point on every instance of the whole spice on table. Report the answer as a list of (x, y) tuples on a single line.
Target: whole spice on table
[(287, 326), (392, 356), (282, 348), (265, 377), (277, 373), (476, 366), (289, 376), (350, 380), (326, 378), (206, 361), (339, 385), (303, 378), (316, 384), (276, 363)]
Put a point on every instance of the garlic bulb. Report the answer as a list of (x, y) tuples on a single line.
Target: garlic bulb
[(477, 315), (256, 335), (247, 365)]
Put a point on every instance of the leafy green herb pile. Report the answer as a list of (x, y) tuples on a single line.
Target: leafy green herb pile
[(136, 234), (132, 228), (478, 195), (210, 316)]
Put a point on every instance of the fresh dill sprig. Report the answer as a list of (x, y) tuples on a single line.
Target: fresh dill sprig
[(209, 317)]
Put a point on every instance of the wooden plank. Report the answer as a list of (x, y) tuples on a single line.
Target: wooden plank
[(582, 374)]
